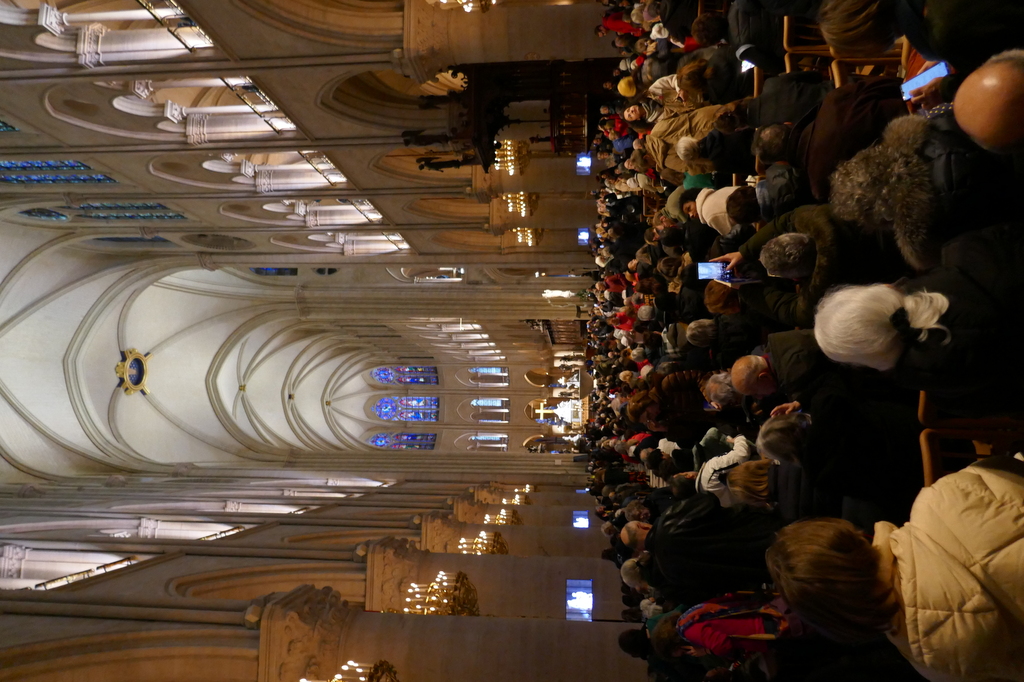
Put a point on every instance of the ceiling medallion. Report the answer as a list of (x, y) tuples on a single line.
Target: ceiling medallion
[(133, 371)]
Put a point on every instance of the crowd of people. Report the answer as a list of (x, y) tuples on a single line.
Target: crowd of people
[(782, 278)]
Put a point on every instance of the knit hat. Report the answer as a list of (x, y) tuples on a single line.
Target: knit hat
[(627, 87)]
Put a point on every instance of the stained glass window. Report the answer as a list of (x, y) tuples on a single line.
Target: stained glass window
[(169, 215), (405, 374), (7, 128), (51, 179), (408, 409), (276, 272), (489, 370), (488, 402), (489, 376), (121, 207), (43, 214), (130, 239), (43, 165), (404, 441)]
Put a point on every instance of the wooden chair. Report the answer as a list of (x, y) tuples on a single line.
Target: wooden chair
[(758, 81), (802, 38), (947, 442), (843, 69), (720, 7)]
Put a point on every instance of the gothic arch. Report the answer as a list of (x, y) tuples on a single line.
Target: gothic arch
[(253, 582), (382, 99), (375, 24), (402, 164)]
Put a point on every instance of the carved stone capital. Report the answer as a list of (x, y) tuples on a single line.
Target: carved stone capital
[(441, 533), (195, 129), (426, 45), (142, 89), (468, 510), (147, 527), (174, 112), (52, 19), (232, 506), (391, 563), (300, 634), (87, 45), (489, 494)]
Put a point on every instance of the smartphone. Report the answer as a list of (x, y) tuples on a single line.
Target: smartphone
[(746, 66), (924, 78), (712, 271)]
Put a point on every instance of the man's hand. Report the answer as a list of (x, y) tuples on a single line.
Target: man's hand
[(786, 408), (733, 259), (927, 96), (692, 475)]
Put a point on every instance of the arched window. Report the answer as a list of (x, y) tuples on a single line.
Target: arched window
[(144, 215), (7, 128), (43, 214), (404, 441), (489, 441), (405, 374), (43, 165), (408, 409), (489, 376), (54, 179), (276, 272), (490, 410)]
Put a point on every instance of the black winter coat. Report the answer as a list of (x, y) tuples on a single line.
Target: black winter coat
[(701, 549), (975, 370), (750, 24)]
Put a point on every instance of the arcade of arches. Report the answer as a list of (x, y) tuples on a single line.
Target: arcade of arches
[(271, 347)]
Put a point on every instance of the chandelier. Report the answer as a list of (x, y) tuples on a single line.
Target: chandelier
[(445, 595), (517, 499), (512, 156), (484, 543), (520, 202), (525, 236), (470, 5), (504, 518)]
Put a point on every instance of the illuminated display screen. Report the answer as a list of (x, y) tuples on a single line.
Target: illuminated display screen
[(579, 600), (583, 236), (583, 162), (580, 519)]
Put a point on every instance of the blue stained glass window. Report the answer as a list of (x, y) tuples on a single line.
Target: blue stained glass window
[(488, 402), (276, 272), (489, 370), (404, 441), (170, 215), (409, 409), (579, 600), (7, 128), (121, 207), (129, 239), (43, 165), (43, 214), (405, 374), (50, 179), (489, 437)]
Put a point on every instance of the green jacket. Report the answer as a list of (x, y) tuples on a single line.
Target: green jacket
[(835, 244)]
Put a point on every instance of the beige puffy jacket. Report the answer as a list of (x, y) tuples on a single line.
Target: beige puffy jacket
[(961, 577)]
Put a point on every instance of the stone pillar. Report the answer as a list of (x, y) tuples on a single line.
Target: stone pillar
[(506, 586), (446, 648), (441, 533)]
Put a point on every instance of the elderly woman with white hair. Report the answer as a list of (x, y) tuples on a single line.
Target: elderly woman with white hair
[(954, 332)]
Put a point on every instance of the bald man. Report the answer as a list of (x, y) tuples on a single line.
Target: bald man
[(789, 371), (989, 105)]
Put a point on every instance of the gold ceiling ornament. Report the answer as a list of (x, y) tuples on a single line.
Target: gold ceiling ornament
[(504, 518), (513, 156), (445, 595), (133, 370), (484, 543)]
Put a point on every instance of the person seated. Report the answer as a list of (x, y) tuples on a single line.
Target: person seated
[(987, 105), (788, 371), (785, 98), (924, 183), (674, 123), (700, 549), (744, 212), (946, 588), (817, 250), (713, 475), (774, 484), (709, 206), (725, 153), (731, 627), (962, 33), (727, 337), (718, 79), (849, 119)]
